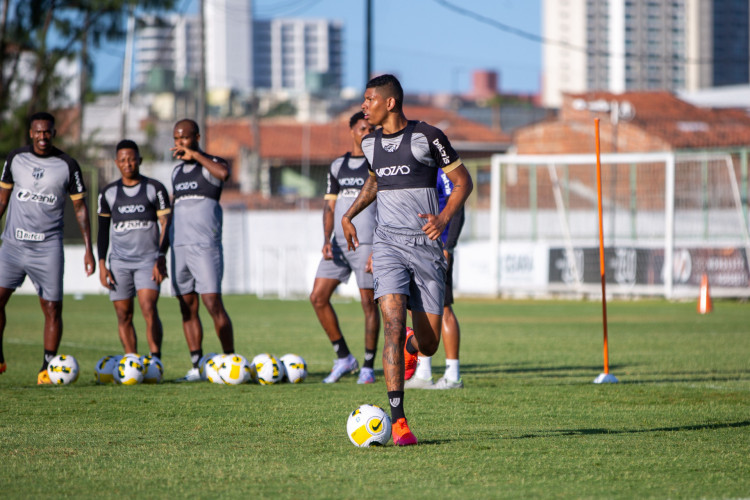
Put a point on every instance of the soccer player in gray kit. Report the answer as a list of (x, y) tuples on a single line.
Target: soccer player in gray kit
[(33, 185), (134, 216), (408, 262), (346, 177), (197, 254)]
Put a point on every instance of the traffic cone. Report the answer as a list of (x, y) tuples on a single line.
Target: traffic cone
[(705, 305)]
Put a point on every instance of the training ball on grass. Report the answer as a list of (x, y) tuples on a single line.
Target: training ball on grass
[(104, 369), (63, 369), (234, 369), (153, 369), (202, 364), (129, 370), (295, 368), (212, 369), (267, 369), (368, 425)]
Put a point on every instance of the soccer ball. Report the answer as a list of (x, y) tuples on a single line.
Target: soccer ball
[(268, 370), (63, 369), (153, 369), (234, 369), (368, 426), (202, 364), (129, 370), (104, 369), (295, 368), (212, 369)]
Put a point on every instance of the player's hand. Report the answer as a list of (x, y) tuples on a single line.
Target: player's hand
[(106, 278), (368, 266), (350, 233), (89, 264), (183, 153), (328, 251), (159, 273), (434, 226)]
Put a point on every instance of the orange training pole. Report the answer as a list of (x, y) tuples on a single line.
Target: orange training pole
[(601, 246)]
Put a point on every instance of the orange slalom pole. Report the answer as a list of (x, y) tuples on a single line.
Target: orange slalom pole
[(601, 245)]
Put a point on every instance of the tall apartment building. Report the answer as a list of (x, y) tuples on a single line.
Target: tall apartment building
[(297, 54), (620, 45)]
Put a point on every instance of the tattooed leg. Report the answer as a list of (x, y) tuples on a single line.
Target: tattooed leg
[(393, 308)]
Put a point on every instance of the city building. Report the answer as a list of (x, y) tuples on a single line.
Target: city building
[(624, 45)]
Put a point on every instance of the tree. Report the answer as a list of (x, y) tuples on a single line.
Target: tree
[(29, 60)]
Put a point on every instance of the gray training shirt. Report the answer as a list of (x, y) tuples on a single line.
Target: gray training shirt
[(197, 215), (346, 177)]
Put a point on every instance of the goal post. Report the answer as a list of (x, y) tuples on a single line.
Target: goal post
[(668, 218)]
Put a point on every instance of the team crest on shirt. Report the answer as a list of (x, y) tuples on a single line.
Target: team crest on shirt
[(37, 173), (389, 148)]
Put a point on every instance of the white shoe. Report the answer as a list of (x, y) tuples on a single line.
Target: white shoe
[(341, 367), (366, 376), (418, 383), (193, 375), (444, 383)]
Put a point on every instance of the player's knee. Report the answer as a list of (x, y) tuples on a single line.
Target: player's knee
[(429, 346), (318, 300)]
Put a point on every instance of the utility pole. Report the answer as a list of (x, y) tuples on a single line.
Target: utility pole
[(126, 70), (368, 31), (201, 104)]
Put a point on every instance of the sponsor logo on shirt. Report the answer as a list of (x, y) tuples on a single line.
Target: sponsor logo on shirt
[(130, 225), (352, 181), (394, 170), (78, 180), (349, 193), (443, 152), (26, 195), (189, 197), (184, 186), (162, 202), (24, 235), (131, 209), (37, 173)]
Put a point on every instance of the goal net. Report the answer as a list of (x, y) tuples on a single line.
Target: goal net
[(668, 218)]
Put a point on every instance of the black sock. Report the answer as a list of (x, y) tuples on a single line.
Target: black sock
[(396, 399), (410, 348), (48, 355), (157, 354), (2, 358), (340, 348), (369, 358), (195, 357)]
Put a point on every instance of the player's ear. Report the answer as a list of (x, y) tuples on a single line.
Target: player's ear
[(390, 103), (54, 133)]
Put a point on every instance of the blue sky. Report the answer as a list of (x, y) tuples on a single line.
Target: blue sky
[(431, 47)]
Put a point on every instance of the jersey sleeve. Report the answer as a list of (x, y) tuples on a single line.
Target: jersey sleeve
[(102, 205), (161, 199), (76, 186), (6, 177), (332, 183), (441, 150)]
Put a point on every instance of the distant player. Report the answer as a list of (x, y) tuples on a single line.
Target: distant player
[(197, 254), (408, 262), (134, 216), (346, 177), (451, 331), (33, 186)]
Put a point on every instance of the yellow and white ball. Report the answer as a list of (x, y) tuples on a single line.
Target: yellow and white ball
[(63, 369), (368, 425), (153, 369), (267, 369), (234, 369), (104, 369), (295, 368), (129, 370)]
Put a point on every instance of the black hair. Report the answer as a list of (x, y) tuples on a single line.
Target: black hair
[(359, 115), (128, 144), (392, 87), (42, 116)]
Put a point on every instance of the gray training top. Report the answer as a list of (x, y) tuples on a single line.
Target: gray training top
[(346, 177), (407, 177), (37, 203), (197, 215)]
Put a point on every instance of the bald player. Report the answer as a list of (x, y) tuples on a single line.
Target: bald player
[(197, 254)]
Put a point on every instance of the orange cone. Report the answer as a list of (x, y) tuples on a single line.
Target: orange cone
[(705, 305)]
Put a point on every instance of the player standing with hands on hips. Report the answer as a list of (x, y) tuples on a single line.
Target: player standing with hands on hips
[(346, 177), (197, 254), (39, 177), (408, 262), (134, 216)]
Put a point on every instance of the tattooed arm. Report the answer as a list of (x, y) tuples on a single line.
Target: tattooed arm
[(366, 196)]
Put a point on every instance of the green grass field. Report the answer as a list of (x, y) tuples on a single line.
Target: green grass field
[(529, 424)]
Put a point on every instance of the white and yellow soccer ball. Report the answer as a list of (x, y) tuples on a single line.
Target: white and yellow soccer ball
[(295, 368), (267, 369), (129, 370), (104, 369), (202, 364), (212, 369), (63, 369), (369, 425), (153, 369), (234, 369)]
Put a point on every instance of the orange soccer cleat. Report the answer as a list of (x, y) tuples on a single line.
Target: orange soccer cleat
[(43, 378), (410, 360), (402, 435), (3, 367)]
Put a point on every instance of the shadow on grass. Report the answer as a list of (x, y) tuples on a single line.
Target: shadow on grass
[(569, 370), (587, 432)]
